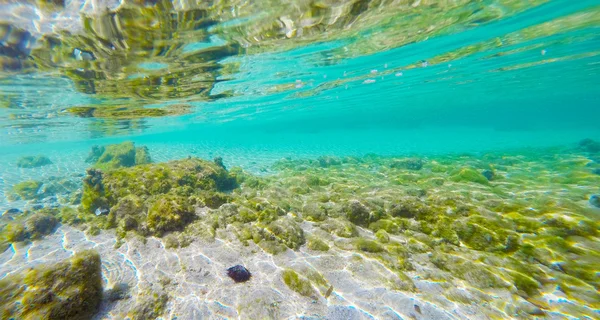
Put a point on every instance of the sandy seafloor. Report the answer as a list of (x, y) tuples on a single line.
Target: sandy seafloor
[(199, 288)]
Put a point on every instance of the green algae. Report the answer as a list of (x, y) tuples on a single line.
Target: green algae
[(33, 161), (469, 175), (339, 227), (155, 198), (30, 226), (297, 283), (317, 244), (150, 305), (368, 245), (26, 190), (169, 213), (115, 156), (71, 289)]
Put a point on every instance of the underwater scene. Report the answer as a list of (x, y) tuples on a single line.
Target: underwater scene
[(299, 159)]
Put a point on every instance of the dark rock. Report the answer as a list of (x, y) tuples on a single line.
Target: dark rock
[(119, 291), (325, 162), (589, 145), (12, 212), (239, 273), (219, 161), (488, 174), (595, 200), (357, 213)]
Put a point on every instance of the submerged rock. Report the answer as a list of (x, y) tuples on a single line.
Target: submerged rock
[(325, 162), (115, 156), (589, 145), (34, 227), (11, 212), (33, 162), (26, 190), (595, 200), (488, 174), (414, 164), (70, 289), (155, 198), (239, 273), (469, 175)]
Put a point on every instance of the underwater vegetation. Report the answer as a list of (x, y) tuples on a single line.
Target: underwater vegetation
[(71, 289), (120, 155), (33, 161), (522, 224)]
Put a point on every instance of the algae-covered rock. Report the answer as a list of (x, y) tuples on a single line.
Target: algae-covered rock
[(33, 161), (26, 190), (169, 213), (40, 224), (317, 244), (340, 227), (287, 232), (34, 227), (297, 283), (478, 237), (469, 175), (71, 289), (115, 156), (382, 236), (357, 213), (156, 198), (414, 164), (325, 162), (368, 245), (150, 305)]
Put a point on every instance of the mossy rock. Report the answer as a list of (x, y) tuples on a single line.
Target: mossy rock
[(26, 190), (150, 305), (339, 227), (444, 230), (393, 226), (287, 232), (469, 175), (478, 237), (160, 196), (169, 213), (414, 164), (115, 156), (40, 224), (368, 245), (476, 274), (297, 283), (382, 236), (34, 227), (317, 244), (312, 212), (411, 207), (357, 213), (68, 290), (33, 162)]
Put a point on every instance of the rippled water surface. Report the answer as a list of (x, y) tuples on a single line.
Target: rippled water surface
[(406, 159)]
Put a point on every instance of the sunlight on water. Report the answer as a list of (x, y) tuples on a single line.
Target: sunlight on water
[(354, 159)]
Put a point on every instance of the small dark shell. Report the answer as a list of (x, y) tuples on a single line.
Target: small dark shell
[(239, 273)]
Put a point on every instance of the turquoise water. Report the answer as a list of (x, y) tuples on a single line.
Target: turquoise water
[(505, 87)]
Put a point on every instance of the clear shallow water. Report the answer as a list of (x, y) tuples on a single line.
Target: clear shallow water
[(256, 82)]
